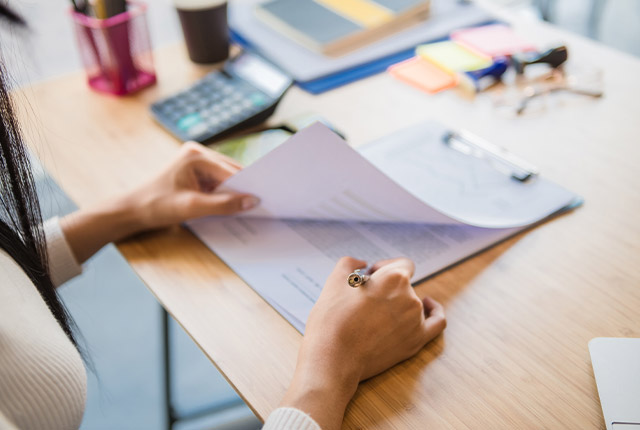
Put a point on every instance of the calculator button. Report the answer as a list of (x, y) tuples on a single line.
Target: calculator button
[(174, 115), (197, 130), (207, 112), (181, 103), (258, 99), (189, 121)]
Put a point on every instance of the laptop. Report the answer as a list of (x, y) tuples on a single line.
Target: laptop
[(616, 366)]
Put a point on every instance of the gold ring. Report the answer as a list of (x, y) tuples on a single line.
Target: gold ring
[(356, 279)]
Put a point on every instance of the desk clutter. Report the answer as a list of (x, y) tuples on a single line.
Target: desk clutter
[(427, 192), (477, 59), (316, 72)]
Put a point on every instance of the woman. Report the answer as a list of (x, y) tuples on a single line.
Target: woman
[(352, 333)]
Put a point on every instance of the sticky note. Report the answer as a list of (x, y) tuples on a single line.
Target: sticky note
[(453, 56), (424, 75), (493, 40)]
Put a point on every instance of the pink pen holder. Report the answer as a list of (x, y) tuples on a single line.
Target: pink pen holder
[(116, 51)]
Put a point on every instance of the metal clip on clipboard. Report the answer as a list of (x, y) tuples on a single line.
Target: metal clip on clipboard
[(498, 157)]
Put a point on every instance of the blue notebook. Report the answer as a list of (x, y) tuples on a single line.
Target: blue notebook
[(317, 73)]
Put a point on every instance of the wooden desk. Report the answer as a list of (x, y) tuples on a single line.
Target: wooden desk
[(520, 315)]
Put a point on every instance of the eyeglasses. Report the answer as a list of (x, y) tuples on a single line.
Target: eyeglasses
[(532, 94)]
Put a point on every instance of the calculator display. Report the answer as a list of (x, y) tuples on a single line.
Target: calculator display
[(261, 74)]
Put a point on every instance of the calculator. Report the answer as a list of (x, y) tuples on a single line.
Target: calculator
[(243, 94)]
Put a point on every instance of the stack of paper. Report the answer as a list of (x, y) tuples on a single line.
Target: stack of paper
[(407, 195)]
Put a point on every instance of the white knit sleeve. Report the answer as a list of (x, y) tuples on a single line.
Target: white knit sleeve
[(5, 424), (290, 419), (62, 263)]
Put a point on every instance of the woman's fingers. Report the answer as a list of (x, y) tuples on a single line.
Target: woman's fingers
[(230, 161), (396, 267), (208, 162), (435, 321), (219, 170), (218, 157), (347, 265), (343, 268), (378, 264), (200, 204)]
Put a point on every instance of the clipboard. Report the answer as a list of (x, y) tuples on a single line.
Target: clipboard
[(466, 177), (501, 159)]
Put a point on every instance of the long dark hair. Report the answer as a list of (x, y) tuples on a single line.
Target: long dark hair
[(21, 234)]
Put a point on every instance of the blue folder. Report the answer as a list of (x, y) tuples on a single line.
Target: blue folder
[(349, 75)]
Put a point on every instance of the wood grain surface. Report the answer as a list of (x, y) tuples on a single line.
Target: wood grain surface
[(514, 355)]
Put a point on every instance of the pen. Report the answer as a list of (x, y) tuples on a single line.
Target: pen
[(99, 9), (81, 6), (114, 7)]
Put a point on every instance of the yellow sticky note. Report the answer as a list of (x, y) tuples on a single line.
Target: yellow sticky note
[(453, 56), (362, 12), (424, 75)]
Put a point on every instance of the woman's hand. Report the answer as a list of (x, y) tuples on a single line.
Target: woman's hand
[(185, 189), (355, 333)]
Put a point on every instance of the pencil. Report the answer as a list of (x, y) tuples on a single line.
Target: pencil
[(99, 9)]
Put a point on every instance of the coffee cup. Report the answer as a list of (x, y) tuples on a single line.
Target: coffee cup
[(205, 29)]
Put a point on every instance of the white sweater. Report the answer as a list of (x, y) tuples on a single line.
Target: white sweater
[(43, 383)]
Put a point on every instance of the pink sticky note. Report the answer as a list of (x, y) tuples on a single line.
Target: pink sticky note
[(494, 40), (424, 75)]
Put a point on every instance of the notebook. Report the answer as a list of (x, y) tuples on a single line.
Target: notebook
[(410, 194), (335, 27)]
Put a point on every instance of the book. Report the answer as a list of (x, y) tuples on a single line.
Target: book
[(409, 194), (336, 27)]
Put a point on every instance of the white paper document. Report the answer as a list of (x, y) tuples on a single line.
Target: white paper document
[(411, 177), (406, 195)]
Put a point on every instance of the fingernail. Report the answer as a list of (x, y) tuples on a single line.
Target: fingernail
[(250, 202)]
